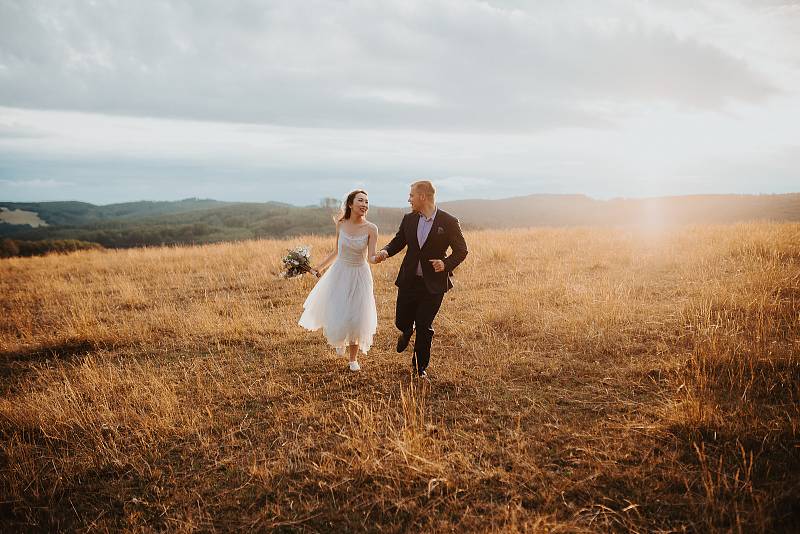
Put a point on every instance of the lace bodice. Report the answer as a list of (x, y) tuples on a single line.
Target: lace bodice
[(352, 249)]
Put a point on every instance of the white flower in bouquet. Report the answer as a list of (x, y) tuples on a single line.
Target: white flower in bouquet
[(296, 262)]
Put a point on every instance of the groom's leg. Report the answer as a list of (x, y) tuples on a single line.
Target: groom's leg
[(405, 310), (425, 314)]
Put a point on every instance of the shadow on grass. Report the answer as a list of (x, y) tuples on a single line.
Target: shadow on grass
[(14, 365), (106, 494)]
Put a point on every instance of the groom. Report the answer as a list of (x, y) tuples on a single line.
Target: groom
[(425, 273)]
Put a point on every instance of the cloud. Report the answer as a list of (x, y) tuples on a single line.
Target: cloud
[(10, 130), (113, 101), (444, 65), (394, 96), (748, 171), (464, 184), (35, 184)]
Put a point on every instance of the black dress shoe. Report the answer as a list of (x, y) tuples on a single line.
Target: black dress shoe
[(402, 341)]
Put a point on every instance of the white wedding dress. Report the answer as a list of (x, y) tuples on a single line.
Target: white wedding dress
[(343, 303)]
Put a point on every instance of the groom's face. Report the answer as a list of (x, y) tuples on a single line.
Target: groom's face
[(416, 199)]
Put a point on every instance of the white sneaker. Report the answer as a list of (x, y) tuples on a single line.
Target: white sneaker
[(354, 366)]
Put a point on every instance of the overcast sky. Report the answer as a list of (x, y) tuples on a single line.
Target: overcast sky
[(108, 101)]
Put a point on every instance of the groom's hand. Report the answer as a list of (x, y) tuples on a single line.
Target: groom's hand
[(438, 265), (381, 256)]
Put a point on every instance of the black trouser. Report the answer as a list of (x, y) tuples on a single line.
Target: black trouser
[(417, 307)]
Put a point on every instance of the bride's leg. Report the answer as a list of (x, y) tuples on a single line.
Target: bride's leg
[(353, 350)]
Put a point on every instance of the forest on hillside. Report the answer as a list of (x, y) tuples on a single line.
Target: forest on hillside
[(234, 222), (199, 221)]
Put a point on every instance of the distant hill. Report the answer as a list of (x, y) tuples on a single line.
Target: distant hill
[(182, 222), (81, 213), (580, 210), (204, 221)]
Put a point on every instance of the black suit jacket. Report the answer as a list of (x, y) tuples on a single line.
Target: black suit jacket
[(445, 233)]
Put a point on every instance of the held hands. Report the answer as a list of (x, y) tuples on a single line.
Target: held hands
[(438, 265), (381, 256)]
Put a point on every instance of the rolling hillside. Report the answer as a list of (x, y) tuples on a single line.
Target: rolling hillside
[(580, 210), (122, 226), (196, 221), (83, 213)]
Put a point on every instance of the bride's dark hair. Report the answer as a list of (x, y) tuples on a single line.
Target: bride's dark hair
[(344, 211)]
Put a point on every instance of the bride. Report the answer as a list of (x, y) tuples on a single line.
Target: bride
[(342, 303)]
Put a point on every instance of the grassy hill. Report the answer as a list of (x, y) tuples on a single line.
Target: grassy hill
[(184, 222), (582, 380), (580, 210), (194, 221), (83, 213)]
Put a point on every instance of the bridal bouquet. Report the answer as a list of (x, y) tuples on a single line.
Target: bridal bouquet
[(296, 262)]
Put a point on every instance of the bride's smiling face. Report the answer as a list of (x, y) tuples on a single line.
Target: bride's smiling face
[(360, 205)]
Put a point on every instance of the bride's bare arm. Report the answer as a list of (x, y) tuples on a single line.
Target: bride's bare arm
[(332, 256), (373, 238)]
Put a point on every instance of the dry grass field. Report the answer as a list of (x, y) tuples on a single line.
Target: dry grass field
[(582, 380)]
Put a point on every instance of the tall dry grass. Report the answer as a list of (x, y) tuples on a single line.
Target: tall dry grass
[(583, 380)]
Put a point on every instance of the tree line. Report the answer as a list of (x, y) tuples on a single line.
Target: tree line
[(227, 223), (10, 248)]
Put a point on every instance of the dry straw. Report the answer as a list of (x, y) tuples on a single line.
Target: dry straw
[(583, 380)]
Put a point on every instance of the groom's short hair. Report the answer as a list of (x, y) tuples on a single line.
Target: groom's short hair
[(424, 186)]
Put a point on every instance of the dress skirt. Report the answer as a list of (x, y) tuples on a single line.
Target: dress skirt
[(342, 304)]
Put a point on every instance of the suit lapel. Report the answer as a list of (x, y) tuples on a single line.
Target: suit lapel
[(413, 229)]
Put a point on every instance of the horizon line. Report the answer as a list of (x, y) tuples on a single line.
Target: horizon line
[(472, 199)]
